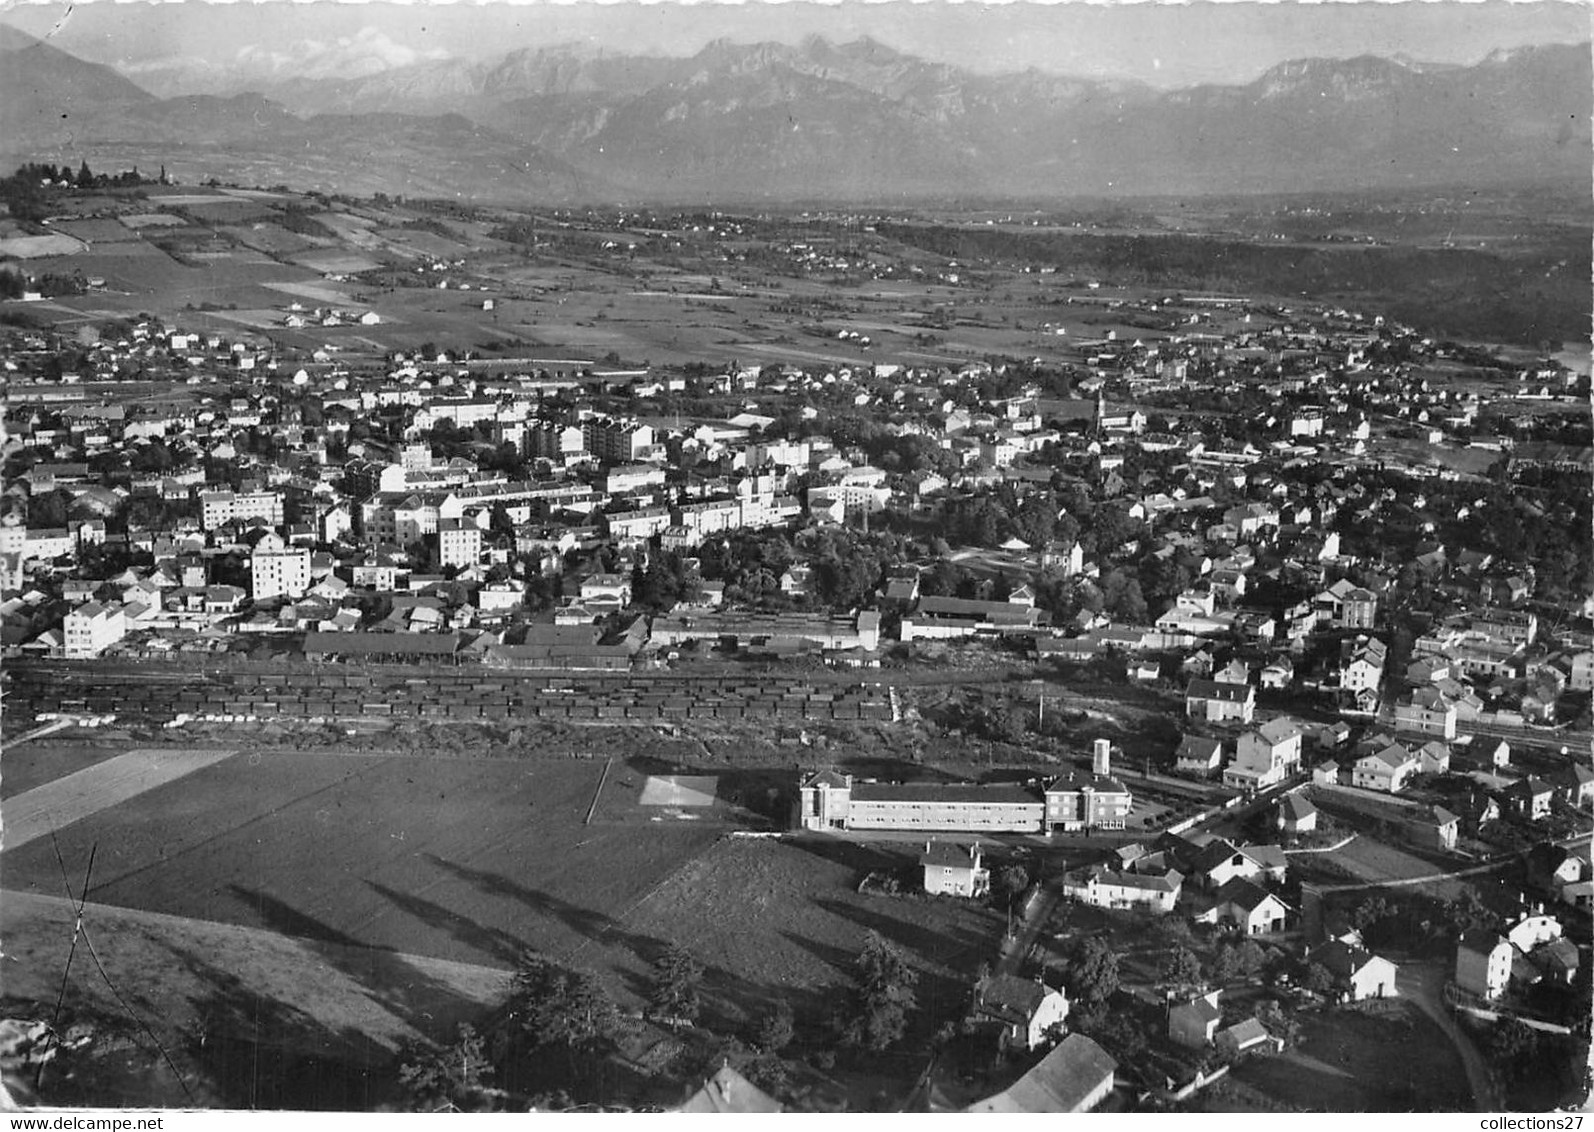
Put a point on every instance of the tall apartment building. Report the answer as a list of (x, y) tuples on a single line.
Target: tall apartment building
[(277, 570), (616, 441), (92, 628), (459, 542)]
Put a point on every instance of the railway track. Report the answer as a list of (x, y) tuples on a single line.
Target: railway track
[(471, 694)]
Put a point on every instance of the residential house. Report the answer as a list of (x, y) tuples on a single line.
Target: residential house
[(1433, 757), (606, 588), (954, 870), (278, 570), (92, 628), (1530, 798), (1028, 1011), (1429, 711), (1198, 755), (1575, 781), (1358, 973), (1483, 963), (1358, 609), (1326, 773), (1296, 814), (1075, 1077), (1386, 769), (1432, 827), (1552, 867), (1533, 928), (1250, 908), (1265, 756), (1193, 1024), (1278, 674), (459, 542), (1215, 702), (1101, 887), (1362, 669), (1246, 1036)]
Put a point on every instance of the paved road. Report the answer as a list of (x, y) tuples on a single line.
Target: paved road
[(1423, 984)]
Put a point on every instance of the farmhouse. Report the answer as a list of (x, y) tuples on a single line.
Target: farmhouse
[(1107, 888)]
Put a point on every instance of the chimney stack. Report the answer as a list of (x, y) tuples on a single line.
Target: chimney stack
[(1101, 763)]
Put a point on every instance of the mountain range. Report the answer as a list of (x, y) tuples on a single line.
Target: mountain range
[(813, 122)]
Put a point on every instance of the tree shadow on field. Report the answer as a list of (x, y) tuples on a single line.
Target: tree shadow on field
[(255, 1052), (426, 1003), (593, 925), (845, 962), (941, 944), (489, 943), (853, 855)]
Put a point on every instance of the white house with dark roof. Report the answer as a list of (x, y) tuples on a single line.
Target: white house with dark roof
[(954, 870), (1386, 769), (1027, 1009), (1199, 755), (1217, 702)]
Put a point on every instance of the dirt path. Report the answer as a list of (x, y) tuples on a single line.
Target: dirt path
[(1012, 959), (1423, 985), (58, 804)]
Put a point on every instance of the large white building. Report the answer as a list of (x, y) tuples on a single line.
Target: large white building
[(277, 570), (218, 507), (1073, 802), (92, 628), (459, 542)]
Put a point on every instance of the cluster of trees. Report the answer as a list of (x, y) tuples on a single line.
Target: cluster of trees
[(553, 1039)]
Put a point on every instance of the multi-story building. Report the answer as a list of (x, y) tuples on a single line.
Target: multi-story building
[(92, 628), (1076, 802), (1483, 963), (550, 441), (1217, 702), (277, 570), (616, 441), (459, 542), (219, 507), (1385, 769)]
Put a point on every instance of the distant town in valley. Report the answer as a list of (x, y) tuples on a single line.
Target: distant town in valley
[(561, 647)]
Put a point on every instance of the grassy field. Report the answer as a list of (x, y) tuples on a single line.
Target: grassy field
[(1343, 1064), (783, 919), (263, 1019), (45, 760), (464, 860)]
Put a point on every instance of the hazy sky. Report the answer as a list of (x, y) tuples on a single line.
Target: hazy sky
[(1165, 44)]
